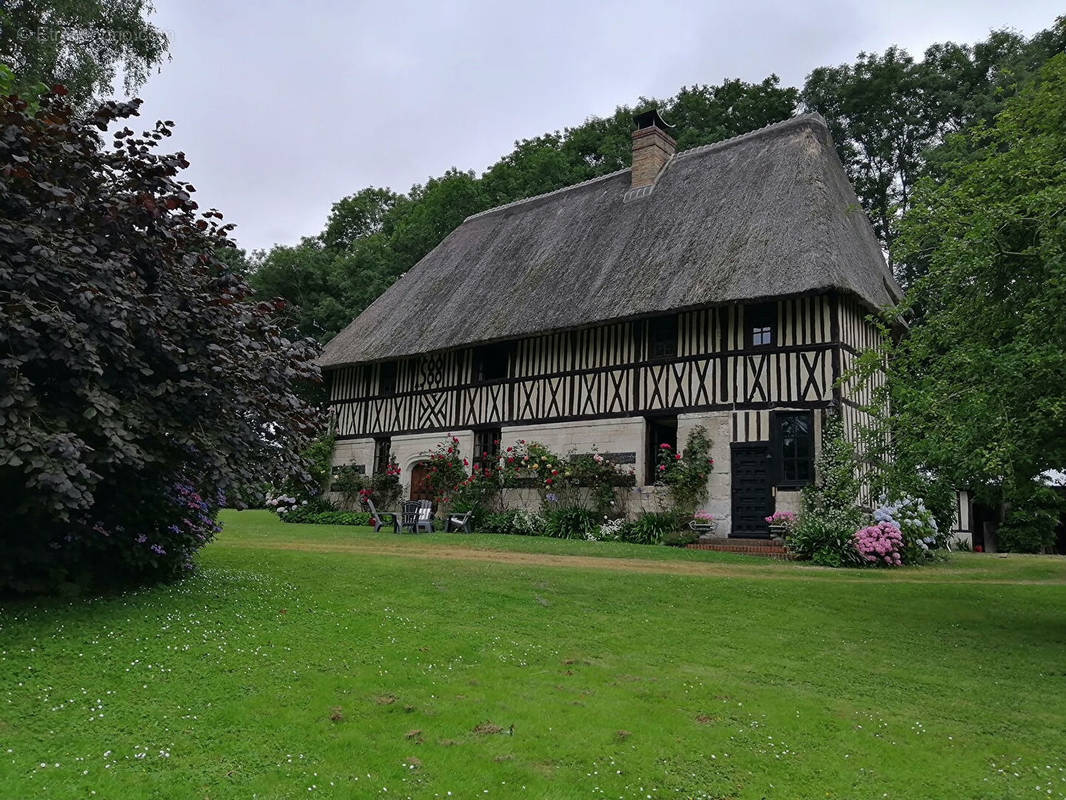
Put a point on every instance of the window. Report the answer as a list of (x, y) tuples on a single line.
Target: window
[(659, 431), (486, 447), (662, 337), (794, 444), (382, 454), (761, 324), (489, 362), (387, 377)]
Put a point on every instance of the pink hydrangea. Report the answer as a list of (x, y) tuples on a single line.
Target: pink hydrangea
[(880, 544)]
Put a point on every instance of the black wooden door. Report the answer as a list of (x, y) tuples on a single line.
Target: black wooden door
[(752, 502)]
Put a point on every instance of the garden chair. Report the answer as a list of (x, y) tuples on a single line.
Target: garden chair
[(417, 515), (459, 521), (379, 519)]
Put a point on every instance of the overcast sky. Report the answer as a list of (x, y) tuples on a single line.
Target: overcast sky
[(285, 107)]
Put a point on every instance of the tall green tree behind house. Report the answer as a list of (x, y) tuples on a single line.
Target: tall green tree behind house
[(979, 388), (890, 114), (81, 44)]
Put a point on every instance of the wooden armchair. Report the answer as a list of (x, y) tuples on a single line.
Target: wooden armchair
[(459, 521), (417, 515), (379, 519)]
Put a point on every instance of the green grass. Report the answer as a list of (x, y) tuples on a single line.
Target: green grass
[(750, 679)]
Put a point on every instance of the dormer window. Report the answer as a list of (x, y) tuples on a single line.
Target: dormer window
[(761, 324)]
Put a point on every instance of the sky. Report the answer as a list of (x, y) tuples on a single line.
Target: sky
[(283, 108)]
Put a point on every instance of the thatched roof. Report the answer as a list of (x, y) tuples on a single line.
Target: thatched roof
[(764, 214)]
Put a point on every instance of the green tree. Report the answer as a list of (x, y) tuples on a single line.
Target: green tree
[(979, 388), (707, 114), (889, 114), (81, 44)]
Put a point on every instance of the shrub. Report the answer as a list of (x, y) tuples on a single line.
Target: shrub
[(447, 469), (921, 533), (680, 538), (383, 488), (826, 537), (476, 491), (881, 544), (652, 528), (311, 516), (518, 522), (136, 365), (585, 481), (571, 522), (825, 530), (686, 474), (1029, 526), (612, 530)]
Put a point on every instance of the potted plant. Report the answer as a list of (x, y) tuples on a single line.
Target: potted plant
[(781, 523), (703, 522)]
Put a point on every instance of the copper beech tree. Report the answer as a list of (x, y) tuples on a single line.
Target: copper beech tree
[(140, 380)]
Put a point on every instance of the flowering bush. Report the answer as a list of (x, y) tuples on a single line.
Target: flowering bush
[(283, 503), (452, 485), (824, 532), (704, 516), (383, 488), (584, 481), (921, 534), (151, 539), (518, 522), (447, 470), (686, 474), (881, 544), (610, 531)]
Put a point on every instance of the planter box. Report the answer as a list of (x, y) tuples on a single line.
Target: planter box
[(703, 527)]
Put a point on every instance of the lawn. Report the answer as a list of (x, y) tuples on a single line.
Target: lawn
[(316, 661)]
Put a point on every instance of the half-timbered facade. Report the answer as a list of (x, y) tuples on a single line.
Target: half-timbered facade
[(727, 286)]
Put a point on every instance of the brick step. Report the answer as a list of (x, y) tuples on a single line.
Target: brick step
[(764, 548), (738, 541)]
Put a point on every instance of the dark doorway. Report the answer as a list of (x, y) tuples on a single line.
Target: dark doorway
[(419, 489), (752, 501), (660, 431)]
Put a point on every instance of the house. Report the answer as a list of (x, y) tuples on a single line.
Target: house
[(725, 286)]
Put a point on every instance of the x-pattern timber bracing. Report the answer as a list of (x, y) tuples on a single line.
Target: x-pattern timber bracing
[(603, 372)]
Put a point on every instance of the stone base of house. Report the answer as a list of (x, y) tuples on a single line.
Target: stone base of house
[(624, 439)]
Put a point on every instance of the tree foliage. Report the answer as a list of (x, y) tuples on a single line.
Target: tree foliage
[(890, 113), (138, 378), (979, 388), (80, 44)]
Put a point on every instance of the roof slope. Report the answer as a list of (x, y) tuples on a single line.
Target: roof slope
[(767, 213)]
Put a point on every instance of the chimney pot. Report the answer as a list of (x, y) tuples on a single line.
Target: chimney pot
[(652, 148)]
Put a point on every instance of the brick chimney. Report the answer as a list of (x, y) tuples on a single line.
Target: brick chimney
[(652, 148)]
